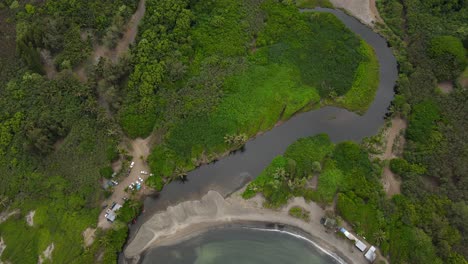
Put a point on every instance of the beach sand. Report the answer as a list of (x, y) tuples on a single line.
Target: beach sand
[(190, 218)]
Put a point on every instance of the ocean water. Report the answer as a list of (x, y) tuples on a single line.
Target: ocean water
[(238, 245)]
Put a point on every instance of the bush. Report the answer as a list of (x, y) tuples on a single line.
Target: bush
[(106, 172), (156, 182), (449, 57), (299, 212)]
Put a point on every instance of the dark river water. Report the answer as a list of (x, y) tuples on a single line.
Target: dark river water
[(233, 171), (241, 246)]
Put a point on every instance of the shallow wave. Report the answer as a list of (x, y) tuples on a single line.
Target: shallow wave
[(331, 254)]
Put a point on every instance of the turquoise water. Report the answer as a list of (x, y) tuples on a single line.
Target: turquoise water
[(240, 246)]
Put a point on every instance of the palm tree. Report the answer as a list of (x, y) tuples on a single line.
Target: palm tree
[(380, 236)]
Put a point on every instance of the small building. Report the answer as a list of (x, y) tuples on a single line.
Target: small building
[(360, 245), (110, 215), (370, 254), (116, 207)]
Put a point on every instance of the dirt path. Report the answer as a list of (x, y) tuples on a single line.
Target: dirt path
[(390, 181), (364, 10), (127, 39), (88, 236), (140, 149)]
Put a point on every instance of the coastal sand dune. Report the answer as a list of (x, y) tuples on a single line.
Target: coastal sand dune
[(191, 218)]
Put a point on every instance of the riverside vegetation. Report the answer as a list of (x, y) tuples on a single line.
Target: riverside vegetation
[(193, 76), (427, 223), (212, 82)]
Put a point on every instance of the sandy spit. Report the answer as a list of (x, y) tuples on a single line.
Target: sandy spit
[(190, 218)]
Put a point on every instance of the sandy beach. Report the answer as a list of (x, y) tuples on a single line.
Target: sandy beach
[(191, 218)]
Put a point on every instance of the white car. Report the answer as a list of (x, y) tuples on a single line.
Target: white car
[(115, 182), (130, 186), (144, 172), (151, 174), (140, 179), (132, 164)]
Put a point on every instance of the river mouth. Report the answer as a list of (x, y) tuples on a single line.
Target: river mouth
[(232, 172), (247, 242)]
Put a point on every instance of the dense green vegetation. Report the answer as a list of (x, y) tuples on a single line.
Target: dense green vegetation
[(228, 80), (55, 140), (431, 41), (427, 222), (342, 169)]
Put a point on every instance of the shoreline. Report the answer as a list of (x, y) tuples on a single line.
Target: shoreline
[(191, 218), (322, 246)]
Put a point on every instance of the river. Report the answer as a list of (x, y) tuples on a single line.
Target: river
[(233, 171)]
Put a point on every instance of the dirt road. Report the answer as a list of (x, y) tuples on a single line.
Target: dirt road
[(390, 181), (140, 149)]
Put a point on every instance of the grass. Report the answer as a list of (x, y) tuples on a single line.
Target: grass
[(365, 84), (300, 213)]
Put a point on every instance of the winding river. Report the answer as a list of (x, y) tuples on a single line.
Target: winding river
[(233, 171)]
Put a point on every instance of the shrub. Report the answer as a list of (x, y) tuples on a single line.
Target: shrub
[(299, 212), (106, 172)]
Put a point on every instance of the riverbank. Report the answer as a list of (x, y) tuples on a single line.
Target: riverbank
[(190, 218)]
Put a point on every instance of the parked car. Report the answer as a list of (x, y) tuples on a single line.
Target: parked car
[(125, 198), (140, 179), (151, 174), (144, 172), (132, 164), (115, 182), (130, 187)]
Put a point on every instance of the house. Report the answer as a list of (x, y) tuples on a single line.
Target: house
[(360, 245), (370, 254)]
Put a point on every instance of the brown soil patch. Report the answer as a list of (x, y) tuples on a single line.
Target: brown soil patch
[(88, 236), (446, 87)]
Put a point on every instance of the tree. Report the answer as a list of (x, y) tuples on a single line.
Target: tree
[(449, 57)]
